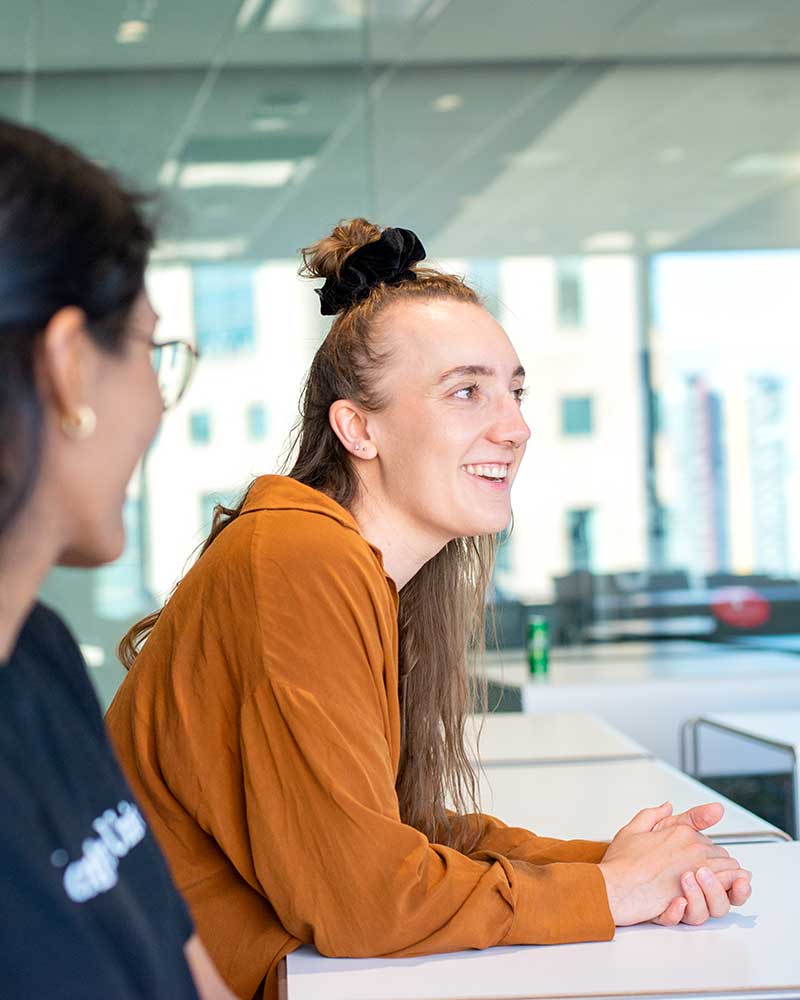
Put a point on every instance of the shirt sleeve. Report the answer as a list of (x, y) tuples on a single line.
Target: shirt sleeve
[(328, 847), (519, 844)]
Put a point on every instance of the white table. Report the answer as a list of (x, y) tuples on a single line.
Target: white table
[(554, 737), (639, 661), (776, 729), (751, 954), (592, 801)]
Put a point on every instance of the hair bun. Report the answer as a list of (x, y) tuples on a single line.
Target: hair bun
[(387, 258)]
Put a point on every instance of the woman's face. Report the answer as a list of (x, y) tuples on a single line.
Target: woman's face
[(123, 391), (452, 436)]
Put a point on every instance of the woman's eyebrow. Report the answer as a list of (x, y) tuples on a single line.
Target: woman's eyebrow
[(484, 370)]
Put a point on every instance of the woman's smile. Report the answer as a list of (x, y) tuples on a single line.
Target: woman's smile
[(491, 474)]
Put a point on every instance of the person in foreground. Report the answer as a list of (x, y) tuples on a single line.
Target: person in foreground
[(293, 722), (89, 909)]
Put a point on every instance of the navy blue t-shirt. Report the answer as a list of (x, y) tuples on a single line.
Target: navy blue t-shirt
[(87, 906)]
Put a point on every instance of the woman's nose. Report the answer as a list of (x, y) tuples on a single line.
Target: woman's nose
[(510, 425)]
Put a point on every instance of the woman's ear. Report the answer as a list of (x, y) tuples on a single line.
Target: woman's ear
[(350, 426), (67, 364)]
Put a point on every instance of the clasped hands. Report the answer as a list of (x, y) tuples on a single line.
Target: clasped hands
[(660, 867)]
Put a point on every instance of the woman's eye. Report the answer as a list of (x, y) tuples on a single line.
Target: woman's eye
[(466, 393)]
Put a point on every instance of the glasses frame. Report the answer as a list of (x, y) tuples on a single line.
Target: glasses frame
[(194, 355)]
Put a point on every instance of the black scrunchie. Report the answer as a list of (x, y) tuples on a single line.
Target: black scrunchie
[(386, 260)]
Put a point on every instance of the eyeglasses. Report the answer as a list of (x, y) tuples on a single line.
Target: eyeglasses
[(173, 362)]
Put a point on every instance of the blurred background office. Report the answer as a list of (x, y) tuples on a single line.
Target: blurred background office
[(619, 178)]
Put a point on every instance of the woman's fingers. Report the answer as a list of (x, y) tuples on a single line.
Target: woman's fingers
[(716, 897), (736, 883), (707, 894), (646, 819), (740, 891), (696, 908), (673, 914)]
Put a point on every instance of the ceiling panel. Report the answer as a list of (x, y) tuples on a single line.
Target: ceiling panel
[(652, 153), (521, 30), (532, 126), (81, 34)]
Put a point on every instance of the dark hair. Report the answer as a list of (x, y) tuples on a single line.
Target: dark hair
[(70, 235)]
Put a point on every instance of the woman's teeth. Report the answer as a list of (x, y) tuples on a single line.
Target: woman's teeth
[(488, 471)]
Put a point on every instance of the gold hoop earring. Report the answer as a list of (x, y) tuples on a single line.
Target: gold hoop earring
[(80, 426)]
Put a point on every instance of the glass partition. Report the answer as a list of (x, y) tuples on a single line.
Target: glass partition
[(620, 182)]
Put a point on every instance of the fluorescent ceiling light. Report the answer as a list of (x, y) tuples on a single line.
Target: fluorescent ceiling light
[(327, 15), (200, 249), (255, 173), (448, 102), (266, 123), (785, 164), (130, 32), (609, 241), (294, 15)]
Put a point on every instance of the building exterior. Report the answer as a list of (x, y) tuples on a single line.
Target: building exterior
[(579, 499)]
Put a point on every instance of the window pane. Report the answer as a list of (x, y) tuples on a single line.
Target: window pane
[(200, 428), (223, 309), (576, 415), (569, 278), (257, 421), (729, 392)]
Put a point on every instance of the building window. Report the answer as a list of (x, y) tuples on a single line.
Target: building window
[(580, 539), (223, 308), (576, 415), (256, 421), (569, 291), (200, 427)]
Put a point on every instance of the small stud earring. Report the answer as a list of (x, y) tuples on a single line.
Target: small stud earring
[(82, 425), (357, 447)]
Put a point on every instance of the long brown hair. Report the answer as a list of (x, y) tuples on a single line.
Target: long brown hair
[(442, 608)]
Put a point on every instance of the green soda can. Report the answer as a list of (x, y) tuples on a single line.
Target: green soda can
[(538, 644)]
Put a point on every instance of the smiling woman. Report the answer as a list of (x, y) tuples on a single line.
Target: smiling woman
[(294, 722)]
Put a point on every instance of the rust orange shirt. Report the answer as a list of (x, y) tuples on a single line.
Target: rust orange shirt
[(260, 728)]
